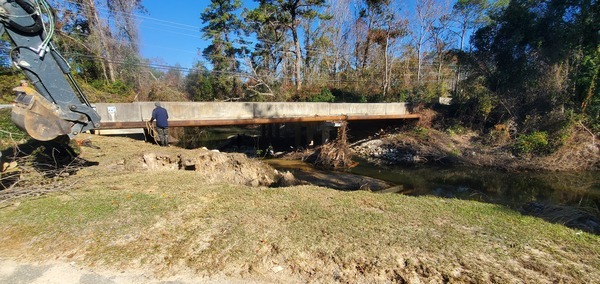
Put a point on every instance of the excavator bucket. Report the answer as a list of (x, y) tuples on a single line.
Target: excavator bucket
[(38, 117)]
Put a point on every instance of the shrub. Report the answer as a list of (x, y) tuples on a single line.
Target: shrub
[(421, 132), (346, 96), (456, 129), (534, 143), (398, 96), (117, 87), (7, 83), (324, 96), (10, 133)]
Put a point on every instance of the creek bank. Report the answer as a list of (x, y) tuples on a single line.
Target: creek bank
[(580, 153), (408, 148), (579, 218)]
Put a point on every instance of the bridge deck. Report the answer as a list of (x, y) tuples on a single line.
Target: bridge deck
[(181, 114)]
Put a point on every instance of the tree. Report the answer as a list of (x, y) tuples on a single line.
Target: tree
[(101, 43), (221, 24), (289, 14), (543, 55), (265, 62), (388, 29), (426, 14), (174, 77), (316, 45), (5, 60), (369, 15), (337, 31), (198, 84), (468, 15), (99, 38), (124, 22), (440, 39)]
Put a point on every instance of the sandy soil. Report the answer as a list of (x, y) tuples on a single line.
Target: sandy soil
[(60, 272)]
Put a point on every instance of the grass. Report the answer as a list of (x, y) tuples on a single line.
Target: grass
[(316, 233), (169, 222)]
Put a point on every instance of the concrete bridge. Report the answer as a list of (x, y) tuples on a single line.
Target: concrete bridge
[(306, 123), (183, 114)]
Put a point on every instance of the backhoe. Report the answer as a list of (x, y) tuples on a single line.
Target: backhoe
[(56, 105)]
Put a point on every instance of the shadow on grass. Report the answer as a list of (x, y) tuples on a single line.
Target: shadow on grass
[(587, 220)]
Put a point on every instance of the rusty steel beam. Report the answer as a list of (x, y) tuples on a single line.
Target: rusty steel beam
[(250, 121)]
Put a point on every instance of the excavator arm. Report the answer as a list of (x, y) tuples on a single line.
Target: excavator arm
[(57, 106)]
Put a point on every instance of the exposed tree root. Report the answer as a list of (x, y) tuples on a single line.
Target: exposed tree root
[(337, 154)]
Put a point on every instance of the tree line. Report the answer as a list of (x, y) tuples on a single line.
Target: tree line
[(527, 62)]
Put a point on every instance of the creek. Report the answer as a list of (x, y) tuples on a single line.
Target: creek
[(572, 189), (579, 189)]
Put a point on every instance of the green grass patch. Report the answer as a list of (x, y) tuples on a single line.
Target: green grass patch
[(68, 219)]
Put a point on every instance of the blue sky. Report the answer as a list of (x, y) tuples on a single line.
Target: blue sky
[(170, 32)]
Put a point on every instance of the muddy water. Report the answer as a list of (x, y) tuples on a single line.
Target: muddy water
[(580, 189)]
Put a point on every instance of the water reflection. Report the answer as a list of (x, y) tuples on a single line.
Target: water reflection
[(573, 189), (580, 189), (571, 199)]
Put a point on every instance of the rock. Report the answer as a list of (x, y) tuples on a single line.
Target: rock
[(286, 179)]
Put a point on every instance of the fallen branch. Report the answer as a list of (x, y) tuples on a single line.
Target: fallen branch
[(590, 132), (37, 174)]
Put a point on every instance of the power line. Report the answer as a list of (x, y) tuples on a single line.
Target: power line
[(231, 73), (241, 44), (243, 41)]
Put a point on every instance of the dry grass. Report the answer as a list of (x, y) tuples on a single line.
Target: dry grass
[(169, 222)]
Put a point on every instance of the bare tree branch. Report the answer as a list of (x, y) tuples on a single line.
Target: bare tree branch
[(260, 82)]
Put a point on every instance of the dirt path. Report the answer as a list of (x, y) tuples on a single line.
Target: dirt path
[(13, 272)]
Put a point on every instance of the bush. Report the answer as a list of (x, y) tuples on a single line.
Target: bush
[(8, 81), (324, 96), (376, 98), (426, 93), (345, 96), (10, 133), (421, 133), (117, 87), (534, 143), (456, 129), (398, 96)]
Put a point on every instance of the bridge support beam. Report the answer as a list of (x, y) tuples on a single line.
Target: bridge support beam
[(297, 135), (310, 134), (324, 133)]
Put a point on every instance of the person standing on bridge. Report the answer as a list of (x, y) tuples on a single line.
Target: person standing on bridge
[(161, 116)]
